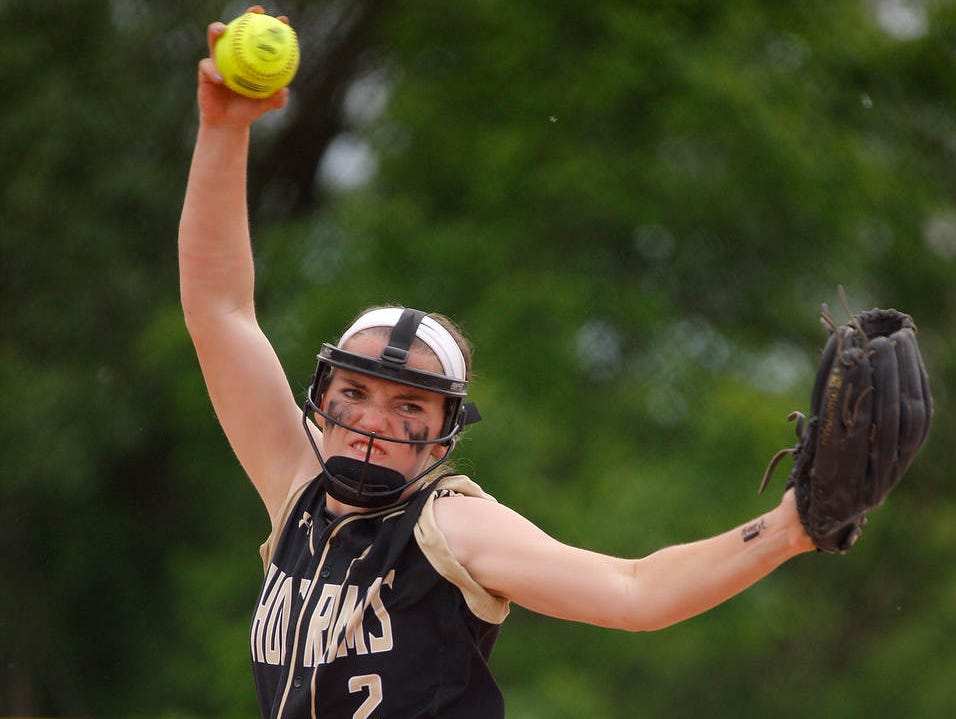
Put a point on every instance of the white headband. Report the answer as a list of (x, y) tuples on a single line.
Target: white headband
[(436, 337)]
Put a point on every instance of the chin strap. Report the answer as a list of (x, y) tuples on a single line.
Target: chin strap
[(361, 484)]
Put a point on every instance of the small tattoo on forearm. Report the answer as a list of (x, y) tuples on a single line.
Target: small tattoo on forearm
[(752, 531)]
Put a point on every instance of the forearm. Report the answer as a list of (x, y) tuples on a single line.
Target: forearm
[(684, 580), (215, 256)]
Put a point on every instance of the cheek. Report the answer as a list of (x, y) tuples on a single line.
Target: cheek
[(418, 433), (338, 412)]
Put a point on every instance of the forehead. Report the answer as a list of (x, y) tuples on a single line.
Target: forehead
[(371, 344)]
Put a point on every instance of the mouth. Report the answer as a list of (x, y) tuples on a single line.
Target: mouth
[(360, 447)]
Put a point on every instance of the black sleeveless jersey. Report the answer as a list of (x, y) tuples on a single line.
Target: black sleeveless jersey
[(370, 616)]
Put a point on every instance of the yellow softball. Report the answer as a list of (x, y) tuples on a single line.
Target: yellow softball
[(257, 55)]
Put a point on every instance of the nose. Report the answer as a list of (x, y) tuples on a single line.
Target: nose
[(373, 419)]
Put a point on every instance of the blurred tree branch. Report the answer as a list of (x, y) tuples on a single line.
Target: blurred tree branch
[(336, 41)]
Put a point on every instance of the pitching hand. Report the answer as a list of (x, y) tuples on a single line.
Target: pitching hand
[(219, 104)]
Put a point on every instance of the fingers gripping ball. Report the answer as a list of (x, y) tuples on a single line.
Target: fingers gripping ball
[(257, 55)]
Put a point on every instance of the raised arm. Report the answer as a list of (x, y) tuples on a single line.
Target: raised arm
[(511, 557), (247, 385)]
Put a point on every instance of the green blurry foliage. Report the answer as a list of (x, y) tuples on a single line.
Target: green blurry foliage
[(635, 210)]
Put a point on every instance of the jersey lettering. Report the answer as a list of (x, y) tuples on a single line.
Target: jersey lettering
[(271, 621), (350, 614), (383, 642), (342, 622), (372, 683)]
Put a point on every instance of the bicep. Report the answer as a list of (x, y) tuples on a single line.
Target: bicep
[(510, 556), (254, 403)]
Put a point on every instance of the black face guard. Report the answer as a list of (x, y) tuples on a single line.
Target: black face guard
[(359, 482)]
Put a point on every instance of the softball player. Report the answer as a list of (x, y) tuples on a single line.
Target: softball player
[(385, 580)]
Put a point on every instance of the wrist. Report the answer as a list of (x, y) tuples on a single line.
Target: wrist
[(797, 538), (220, 129)]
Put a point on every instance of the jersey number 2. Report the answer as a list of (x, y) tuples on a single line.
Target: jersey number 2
[(373, 684)]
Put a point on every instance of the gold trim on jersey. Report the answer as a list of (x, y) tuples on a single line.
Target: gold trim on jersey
[(268, 547), (482, 604)]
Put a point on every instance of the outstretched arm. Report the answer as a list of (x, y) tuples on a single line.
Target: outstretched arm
[(511, 557), (246, 383)]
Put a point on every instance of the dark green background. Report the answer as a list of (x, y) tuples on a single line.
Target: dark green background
[(636, 209)]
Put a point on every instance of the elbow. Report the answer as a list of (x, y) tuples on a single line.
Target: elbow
[(646, 605), (644, 622), (639, 608)]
